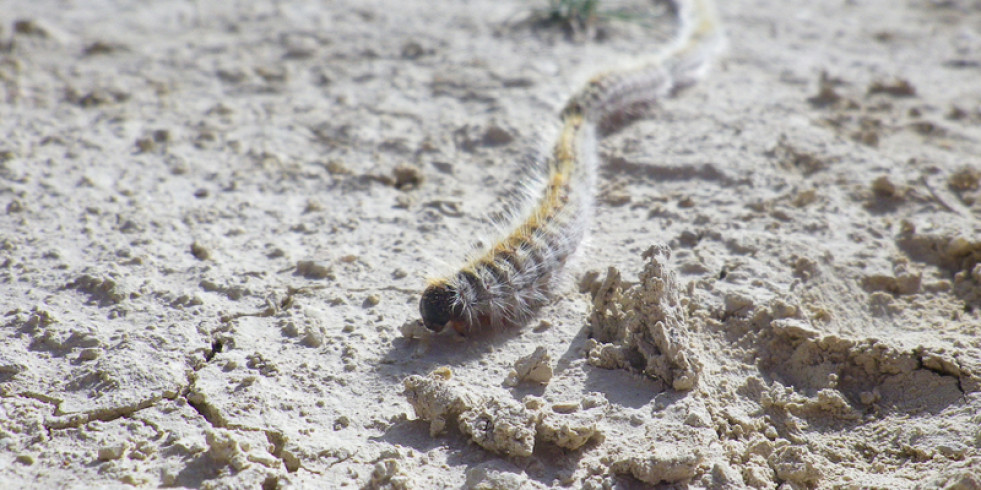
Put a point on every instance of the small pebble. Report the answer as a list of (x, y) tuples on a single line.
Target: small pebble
[(407, 177), (199, 251), (312, 269), (115, 451), (312, 338), (89, 354), (290, 329)]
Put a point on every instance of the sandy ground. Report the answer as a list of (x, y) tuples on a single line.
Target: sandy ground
[(217, 217)]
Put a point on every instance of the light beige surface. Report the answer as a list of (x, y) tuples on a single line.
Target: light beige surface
[(217, 216)]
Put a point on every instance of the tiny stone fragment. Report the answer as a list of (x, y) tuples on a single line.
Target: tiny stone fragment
[(501, 426), (965, 179), (115, 451), (663, 464), (289, 328), (335, 167), (495, 476), (496, 136), (411, 50), (434, 400), (606, 356), (89, 354), (616, 197), (312, 206), (29, 27), (388, 475), (826, 95), (572, 430), (224, 449), (895, 88), (199, 251), (535, 367), (883, 187), (407, 177), (311, 269), (101, 290), (795, 464), (313, 337), (414, 329)]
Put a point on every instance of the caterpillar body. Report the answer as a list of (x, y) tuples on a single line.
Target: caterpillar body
[(504, 284)]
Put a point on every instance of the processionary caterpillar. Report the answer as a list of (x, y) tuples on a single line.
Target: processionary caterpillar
[(505, 283)]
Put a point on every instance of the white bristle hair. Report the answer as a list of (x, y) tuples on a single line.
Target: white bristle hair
[(505, 282)]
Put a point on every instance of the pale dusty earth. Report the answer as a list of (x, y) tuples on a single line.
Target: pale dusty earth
[(217, 218)]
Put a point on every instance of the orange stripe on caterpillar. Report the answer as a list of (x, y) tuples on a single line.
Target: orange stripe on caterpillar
[(505, 284)]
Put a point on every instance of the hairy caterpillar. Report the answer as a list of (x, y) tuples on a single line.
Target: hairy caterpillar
[(504, 284)]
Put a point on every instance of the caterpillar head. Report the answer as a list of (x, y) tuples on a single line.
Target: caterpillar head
[(440, 307)]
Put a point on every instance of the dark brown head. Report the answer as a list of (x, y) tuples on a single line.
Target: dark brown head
[(439, 307)]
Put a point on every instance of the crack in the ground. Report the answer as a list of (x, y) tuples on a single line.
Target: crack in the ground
[(941, 371), (213, 415), (188, 392), (278, 441), (108, 414), (58, 421), (197, 400), (41, 397)]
